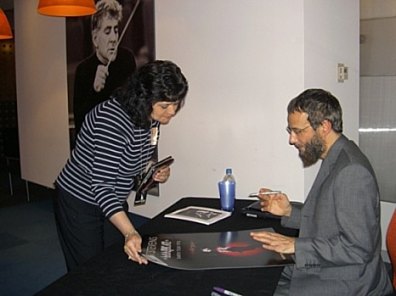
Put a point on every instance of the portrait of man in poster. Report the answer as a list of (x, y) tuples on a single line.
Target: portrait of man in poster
[(103, 50)]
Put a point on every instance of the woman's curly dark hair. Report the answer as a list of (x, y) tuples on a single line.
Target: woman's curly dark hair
[(153, 82)]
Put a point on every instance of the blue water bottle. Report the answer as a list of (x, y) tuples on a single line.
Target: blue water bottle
[(227, 191)]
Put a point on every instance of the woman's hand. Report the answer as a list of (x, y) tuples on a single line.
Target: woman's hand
[(132, 247), (162, 175)]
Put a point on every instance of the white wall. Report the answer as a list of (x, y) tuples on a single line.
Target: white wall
[(40, 50), (377, 8), (331, 29)]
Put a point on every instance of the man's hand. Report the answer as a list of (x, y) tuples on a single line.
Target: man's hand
[(100, 78), (277, 203), (275, 241)]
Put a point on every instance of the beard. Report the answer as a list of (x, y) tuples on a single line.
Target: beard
[(312, 151)]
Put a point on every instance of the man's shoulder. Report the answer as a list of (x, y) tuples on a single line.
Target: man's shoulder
[(343, 145), (349, 154), (90, 62)]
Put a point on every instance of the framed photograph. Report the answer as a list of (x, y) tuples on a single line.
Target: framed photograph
[(199, 215), (145, 183), (120, 37)]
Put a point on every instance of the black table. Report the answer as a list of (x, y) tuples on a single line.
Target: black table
[(111, 273)]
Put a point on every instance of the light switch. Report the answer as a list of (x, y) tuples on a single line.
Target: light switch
[(342, 72)]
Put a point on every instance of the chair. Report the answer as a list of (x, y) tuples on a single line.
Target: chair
[(11, 155), (391, 246)]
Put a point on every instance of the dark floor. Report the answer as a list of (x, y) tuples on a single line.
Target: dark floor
[(30, 254), (36, 192)]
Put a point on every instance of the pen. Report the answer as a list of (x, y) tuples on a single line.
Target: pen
[(265, 193), (225, 292)]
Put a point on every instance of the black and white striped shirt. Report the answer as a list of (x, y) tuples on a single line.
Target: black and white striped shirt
[(109, 153)]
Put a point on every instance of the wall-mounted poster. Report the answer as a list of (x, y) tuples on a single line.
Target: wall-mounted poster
[(103, 50)]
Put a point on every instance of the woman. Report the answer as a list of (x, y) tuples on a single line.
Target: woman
[(116, 141)]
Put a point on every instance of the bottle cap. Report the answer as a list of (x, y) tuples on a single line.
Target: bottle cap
[(228, 171)]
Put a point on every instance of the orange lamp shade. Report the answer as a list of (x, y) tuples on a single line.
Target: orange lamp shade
[(5, 29), (66, 7)]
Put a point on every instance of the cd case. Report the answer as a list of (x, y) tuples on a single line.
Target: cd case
[(147, 181), (254, 210)]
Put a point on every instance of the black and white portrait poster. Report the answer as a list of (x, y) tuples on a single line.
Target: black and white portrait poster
[(103, 50)]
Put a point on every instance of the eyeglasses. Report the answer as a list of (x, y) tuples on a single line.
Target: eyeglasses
[(296, 131)]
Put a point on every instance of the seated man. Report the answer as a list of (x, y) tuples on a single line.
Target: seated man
[(338, 251)]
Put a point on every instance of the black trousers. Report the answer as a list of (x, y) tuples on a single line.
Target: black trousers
[(83, 230)]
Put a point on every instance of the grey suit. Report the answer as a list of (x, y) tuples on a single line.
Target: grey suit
[(339, 244)]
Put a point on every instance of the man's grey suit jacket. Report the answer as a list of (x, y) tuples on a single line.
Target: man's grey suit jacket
[(338, 251)]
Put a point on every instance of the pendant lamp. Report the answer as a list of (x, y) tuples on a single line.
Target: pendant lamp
[(5, 29), (66, 7)]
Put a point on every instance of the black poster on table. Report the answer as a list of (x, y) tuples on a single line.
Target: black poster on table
[(210, 250)]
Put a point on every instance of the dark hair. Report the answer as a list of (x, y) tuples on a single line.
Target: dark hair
[(153, 82), (104, 8), (320, 105)]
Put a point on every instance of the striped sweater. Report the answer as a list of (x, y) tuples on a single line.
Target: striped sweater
[(109, 153)]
